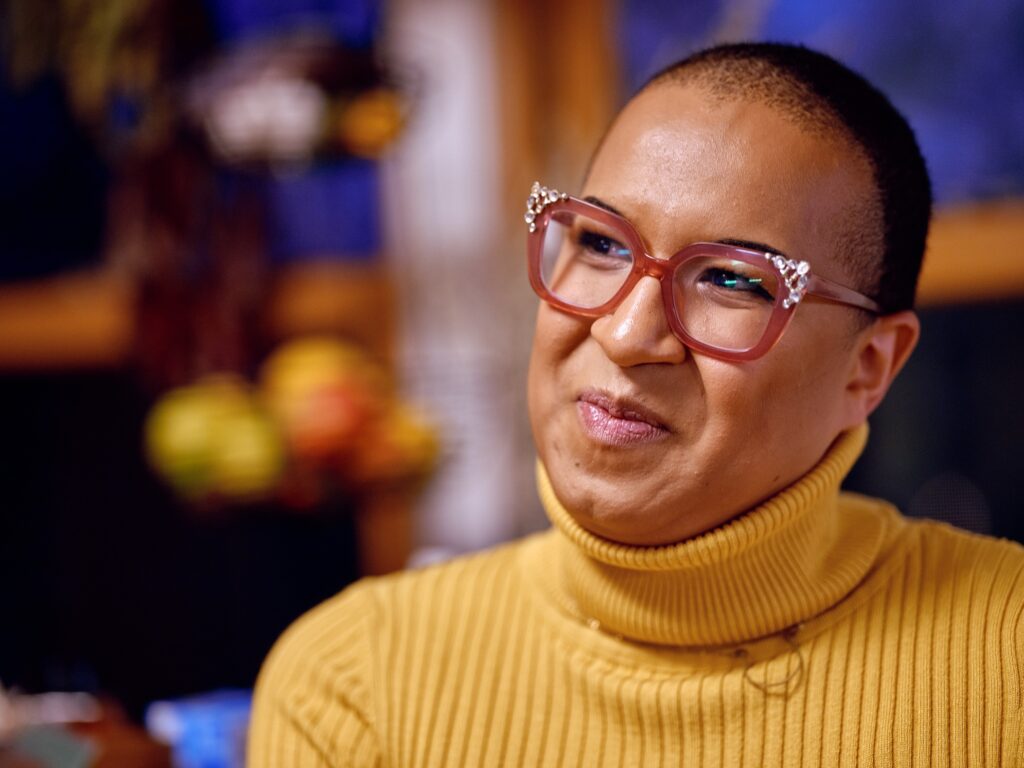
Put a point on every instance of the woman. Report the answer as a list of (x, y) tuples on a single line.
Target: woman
[(724, 304)]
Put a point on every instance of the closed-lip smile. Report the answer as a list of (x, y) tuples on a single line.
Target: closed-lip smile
[(617, 421)]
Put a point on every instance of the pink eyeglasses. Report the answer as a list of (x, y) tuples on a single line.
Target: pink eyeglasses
[(730, 302)]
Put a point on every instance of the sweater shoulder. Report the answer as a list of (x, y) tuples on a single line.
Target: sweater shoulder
[(979, 572), (985, 556), (474, 564), (313, 699), (954, 551), (984, 579), (969, 569), (321, 686), (348, 625), (324, 651), (417, 599)]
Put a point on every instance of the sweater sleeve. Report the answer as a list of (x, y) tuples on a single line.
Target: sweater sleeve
[(1020, 696), (1018, 646), (311, 707)]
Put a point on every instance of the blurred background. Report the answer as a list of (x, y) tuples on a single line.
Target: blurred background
[(264, 320)]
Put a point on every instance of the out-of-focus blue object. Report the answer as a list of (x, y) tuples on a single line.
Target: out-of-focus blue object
[(353, 22), (955, 70), (205, 731), (329, 210)]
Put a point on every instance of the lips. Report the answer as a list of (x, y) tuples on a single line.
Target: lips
[(617, 422)]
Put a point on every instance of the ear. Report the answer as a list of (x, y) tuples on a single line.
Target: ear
[(882, 349)]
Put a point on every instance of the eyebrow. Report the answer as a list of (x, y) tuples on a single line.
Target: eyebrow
[(751, 244), (602, 204)]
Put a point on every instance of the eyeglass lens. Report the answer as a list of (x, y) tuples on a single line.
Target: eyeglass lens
[(722, 302)]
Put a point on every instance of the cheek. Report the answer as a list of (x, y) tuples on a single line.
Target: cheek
[(760, 408), (780, 415), (556, 337), (739, 413)]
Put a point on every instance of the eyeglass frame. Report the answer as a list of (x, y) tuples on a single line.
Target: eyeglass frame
[(795, 275)]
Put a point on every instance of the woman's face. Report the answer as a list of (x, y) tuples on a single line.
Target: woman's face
[(645, 441)]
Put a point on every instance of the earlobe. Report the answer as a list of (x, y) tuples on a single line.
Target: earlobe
[(883, 350)]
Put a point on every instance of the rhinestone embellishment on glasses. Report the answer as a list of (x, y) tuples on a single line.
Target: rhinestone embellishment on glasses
[(539, 199), (794, 275)]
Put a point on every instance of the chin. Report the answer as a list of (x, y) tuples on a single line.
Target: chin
[(640, 528), (610, 507)]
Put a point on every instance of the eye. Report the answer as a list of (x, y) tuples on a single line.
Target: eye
[(601, 245), (735, 282)]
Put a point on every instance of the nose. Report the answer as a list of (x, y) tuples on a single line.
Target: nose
[(637, 332)]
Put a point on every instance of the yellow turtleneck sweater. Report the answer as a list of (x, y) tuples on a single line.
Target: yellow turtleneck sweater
[(819, 629)]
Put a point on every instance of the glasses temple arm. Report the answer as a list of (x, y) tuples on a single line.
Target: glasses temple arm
[(826, 289)]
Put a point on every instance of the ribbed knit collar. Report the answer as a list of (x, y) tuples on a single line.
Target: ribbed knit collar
[(780, 564)]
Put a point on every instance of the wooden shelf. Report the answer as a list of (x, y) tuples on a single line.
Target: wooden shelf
[(87, 320), (975, 254), (355, 300), (72, 321)]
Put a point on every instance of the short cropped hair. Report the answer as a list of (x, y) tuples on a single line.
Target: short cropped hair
[(821, 94)]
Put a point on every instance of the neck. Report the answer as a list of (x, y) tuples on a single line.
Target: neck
[(779, 564)]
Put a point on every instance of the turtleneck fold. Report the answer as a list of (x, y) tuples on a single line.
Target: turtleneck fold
[(774, 567)]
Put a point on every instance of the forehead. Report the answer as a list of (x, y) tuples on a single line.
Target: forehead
[(684, 165)]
